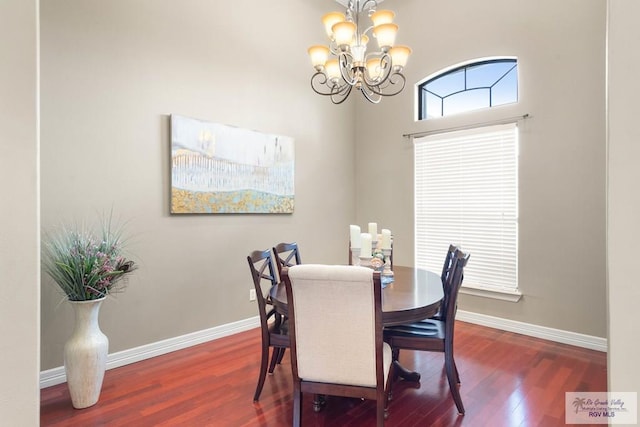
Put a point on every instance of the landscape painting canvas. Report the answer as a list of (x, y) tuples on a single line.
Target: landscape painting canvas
[(218, 168)]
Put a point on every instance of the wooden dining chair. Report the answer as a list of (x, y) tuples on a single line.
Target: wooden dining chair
[(436, 334), (320, 364), (287, 255), (447, 268), (274, 327)]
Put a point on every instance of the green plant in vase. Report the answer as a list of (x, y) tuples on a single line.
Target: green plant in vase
[(87, 265)]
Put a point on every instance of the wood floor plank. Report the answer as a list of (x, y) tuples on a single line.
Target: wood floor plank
[(507, 380)]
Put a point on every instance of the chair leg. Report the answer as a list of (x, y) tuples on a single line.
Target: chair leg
[(282, 351), (388, 387), (297, 405), (395, 355), (264, 360), (452, 377), (456, 371), (393, 374), (380, 410), (275, 357)]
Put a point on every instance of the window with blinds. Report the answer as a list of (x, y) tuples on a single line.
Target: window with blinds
[(466, 193)]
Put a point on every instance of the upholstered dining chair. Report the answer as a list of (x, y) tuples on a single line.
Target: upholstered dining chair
[(287, 255), (273, 326), (436, 334), (352, 298)]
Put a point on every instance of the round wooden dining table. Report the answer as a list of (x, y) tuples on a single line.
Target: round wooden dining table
[(414, 294)]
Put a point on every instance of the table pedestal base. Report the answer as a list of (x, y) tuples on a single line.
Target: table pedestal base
[(404, 373)]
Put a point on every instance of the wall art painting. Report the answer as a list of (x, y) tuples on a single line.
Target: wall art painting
[(217, 168)]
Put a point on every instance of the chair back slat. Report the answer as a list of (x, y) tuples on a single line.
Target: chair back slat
[(445, 276), (454, 280), (287, 255)]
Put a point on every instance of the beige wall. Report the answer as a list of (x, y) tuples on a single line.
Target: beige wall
[(18, 225), (560, 50), (623, 236), (112, 72), (19, 237)]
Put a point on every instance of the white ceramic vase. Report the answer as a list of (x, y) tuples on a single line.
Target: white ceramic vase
[(85, 354)]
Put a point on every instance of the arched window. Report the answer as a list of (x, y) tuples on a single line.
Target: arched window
[(469, 87)]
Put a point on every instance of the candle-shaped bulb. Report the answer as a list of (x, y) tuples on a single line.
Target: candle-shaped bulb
[(354, 235), (365, 241), (386, 239), (373, 230)]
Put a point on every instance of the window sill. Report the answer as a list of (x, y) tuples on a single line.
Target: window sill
[(500, 294)]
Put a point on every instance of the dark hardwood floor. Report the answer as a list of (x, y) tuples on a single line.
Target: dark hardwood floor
[(507, 380)]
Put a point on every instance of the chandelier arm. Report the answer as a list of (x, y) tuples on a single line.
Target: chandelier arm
[(333, 48), (346, 70), (386, 66), (341, 94), (394, 79), (317, 82), (370, 95), (371, 8), (366, 30)]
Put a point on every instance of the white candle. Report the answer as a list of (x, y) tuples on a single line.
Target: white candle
[(373, 230), (386, 239), (355, 236), (365, 240)]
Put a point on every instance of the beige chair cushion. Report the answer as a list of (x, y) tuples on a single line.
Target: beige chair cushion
[(335, 328)]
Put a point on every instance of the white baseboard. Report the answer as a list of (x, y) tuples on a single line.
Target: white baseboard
[(57, 375), (551, 334)]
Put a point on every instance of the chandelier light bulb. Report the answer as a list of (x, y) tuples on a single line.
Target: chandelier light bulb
[(386, 35), (330, 19), (332, 70), (382, 17), (400, 56), (343, 33), (374, 70), (319, 55)]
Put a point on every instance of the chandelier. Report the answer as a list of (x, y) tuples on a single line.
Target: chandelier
[(348, 62)]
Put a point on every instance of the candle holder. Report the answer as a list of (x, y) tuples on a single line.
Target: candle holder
[(374, 245), (355, 256), (365, 261), (387, 272)]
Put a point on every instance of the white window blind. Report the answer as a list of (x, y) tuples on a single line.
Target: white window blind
[(466, 187)]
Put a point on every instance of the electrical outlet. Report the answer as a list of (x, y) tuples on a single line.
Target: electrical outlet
[(252, 294)]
